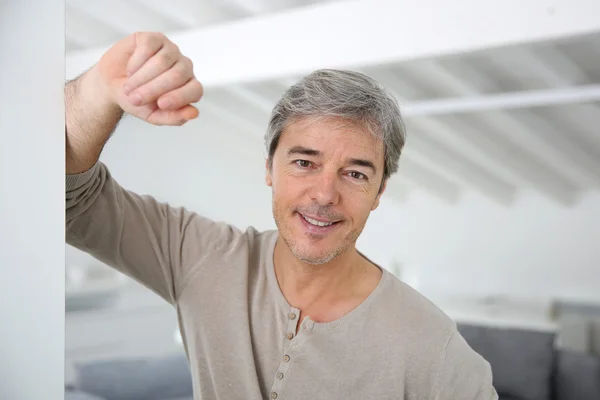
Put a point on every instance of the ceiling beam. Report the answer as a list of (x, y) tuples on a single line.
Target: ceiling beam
[(417, 172), (191, 13), (126, 17), (553, 68), (351, 34), (504, 101), (84, 30), (248, 7), (503, 139), (479, 176), (572, 154)]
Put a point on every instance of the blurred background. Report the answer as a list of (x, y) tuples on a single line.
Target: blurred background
[(495, 212)]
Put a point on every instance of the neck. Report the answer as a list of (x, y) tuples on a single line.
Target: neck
[(305, 285)]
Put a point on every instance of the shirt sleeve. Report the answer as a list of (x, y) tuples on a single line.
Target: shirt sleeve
[(152, 242), (463, 374)]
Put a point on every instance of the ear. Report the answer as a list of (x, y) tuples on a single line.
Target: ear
[(268, 179), (376, 202)]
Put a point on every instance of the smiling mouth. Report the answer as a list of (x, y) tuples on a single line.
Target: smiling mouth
[(317, 222)]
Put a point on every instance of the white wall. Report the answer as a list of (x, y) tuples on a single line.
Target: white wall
[(533, 249), (32, 201)]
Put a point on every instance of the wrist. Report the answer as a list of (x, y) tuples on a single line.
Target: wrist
[(98, 92), (91, 115)]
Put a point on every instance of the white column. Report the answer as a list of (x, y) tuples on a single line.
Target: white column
[(32, 220)]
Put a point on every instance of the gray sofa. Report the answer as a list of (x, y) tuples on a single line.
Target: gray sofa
[(526, 366)]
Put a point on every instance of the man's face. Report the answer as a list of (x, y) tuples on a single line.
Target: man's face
[(325, 176)]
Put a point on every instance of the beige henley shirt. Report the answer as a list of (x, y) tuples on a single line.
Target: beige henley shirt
[(238, 328)]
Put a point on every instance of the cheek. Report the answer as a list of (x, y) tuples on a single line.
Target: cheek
[(360, 209), (358, 203), (287, 184), (287, 191)]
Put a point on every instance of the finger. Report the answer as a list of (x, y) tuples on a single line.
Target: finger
[(159, 63), (145, 46), (191, 92), (166, 82), (173, 117)]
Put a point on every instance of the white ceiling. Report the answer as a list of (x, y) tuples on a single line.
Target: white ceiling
[(98, 23), (496, 121)]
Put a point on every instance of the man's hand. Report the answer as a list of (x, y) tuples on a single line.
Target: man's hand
[(143, 75), (146, 75)]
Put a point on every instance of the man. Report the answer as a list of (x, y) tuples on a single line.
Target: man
[(295, 313)]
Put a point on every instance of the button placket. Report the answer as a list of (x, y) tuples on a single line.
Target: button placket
[(284, 365), (290, 334), (287, 357)]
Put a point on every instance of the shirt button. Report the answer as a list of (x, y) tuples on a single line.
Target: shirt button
[(290, 335), (286, 358), (280, 375), (273, 395), (292, 315)]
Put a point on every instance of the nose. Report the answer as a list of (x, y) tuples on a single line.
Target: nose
[(325, 191)]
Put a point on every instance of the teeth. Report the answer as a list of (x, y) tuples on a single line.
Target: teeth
[(317, 223)]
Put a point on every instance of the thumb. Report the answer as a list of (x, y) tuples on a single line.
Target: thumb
[(115, 61), (173, 117)]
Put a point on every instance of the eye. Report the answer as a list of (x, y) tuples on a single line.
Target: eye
[(302, 163), (357, 175)]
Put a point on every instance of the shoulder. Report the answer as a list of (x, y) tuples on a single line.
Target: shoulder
[(407, 309), (410, 323), (429, 338)]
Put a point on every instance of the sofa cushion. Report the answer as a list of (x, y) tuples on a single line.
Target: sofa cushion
[(183, 398), (577, 376), (152, 379), (521, 360), (79, 395)]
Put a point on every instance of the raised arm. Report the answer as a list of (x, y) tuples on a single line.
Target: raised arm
[(145, 76)]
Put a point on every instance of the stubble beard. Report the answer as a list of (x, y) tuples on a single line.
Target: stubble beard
[(298, 252)]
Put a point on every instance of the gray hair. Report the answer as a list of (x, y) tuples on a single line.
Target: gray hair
[(346, 94)]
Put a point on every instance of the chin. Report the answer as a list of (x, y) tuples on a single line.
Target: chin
[(312, 252), (311, 245), (314, 259)]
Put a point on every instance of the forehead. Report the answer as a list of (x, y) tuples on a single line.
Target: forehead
[(333, 136)]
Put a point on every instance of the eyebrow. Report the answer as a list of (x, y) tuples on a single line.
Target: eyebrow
[(304, 151), (362, 163), (316, 153)]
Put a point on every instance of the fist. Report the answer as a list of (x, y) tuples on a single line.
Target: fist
[(147, 76)]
